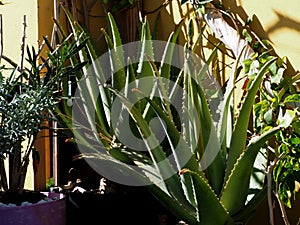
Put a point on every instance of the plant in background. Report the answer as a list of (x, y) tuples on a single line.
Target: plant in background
[(50, 183), (196, 159), (278, 103), (27, 100), (23, 110)]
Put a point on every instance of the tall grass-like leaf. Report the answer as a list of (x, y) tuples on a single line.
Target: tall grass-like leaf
[(146, 50), (88, 53), (146, 58), (117, 62), (174, 205), (212, 160), (168, 56), (181, 151), (210, 210), (238, 141), (159, 158), (237, 187), (175, 139)]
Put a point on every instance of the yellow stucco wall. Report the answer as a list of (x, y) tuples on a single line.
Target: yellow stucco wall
[(279, 22), (13, 13)]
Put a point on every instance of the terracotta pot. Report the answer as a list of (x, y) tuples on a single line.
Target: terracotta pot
[(51, 212)]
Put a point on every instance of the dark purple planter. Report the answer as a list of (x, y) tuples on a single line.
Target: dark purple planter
[(51, 212)]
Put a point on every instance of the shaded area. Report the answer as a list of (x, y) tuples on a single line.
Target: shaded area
[(135, 208)]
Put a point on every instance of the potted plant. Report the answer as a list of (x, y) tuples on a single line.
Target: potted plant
[(150, 113), (27, 98)]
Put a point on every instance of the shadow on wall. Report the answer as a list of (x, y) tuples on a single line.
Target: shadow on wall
[(283, 21), (160, 19), (258, 29)]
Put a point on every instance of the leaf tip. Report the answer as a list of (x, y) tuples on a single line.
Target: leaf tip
[(183, 171)]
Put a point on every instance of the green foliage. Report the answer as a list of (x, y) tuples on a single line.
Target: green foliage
[(49, 183), (27, 101), (278, 104), (224, 183), (22, 112), (213, 151)]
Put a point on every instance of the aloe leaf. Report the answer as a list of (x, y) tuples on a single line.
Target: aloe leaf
[(130, 79), (146, 56), (238, 139), (287, 85), (161, 86), (146, 50), (166, 61), (189, 216), (118, 124), (192, 115), (118, 154), (114, 31), (159, 158), (156, 26), (175, 138), (74, 24), (226, 125), (212, 160), (86, 106), (205, 114), (190, 123), (210, 210), (103, 105), (108, 162), (116, 52), (224, 130), (108, 39), (71, 124), (237, 186), (60, 27), (83, 57), (182, 152), (89, 89)]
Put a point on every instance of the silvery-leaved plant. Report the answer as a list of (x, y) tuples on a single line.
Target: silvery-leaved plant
[(28, 97), (22, 111)]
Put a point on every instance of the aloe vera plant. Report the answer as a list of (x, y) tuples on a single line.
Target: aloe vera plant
[(150, 113)]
